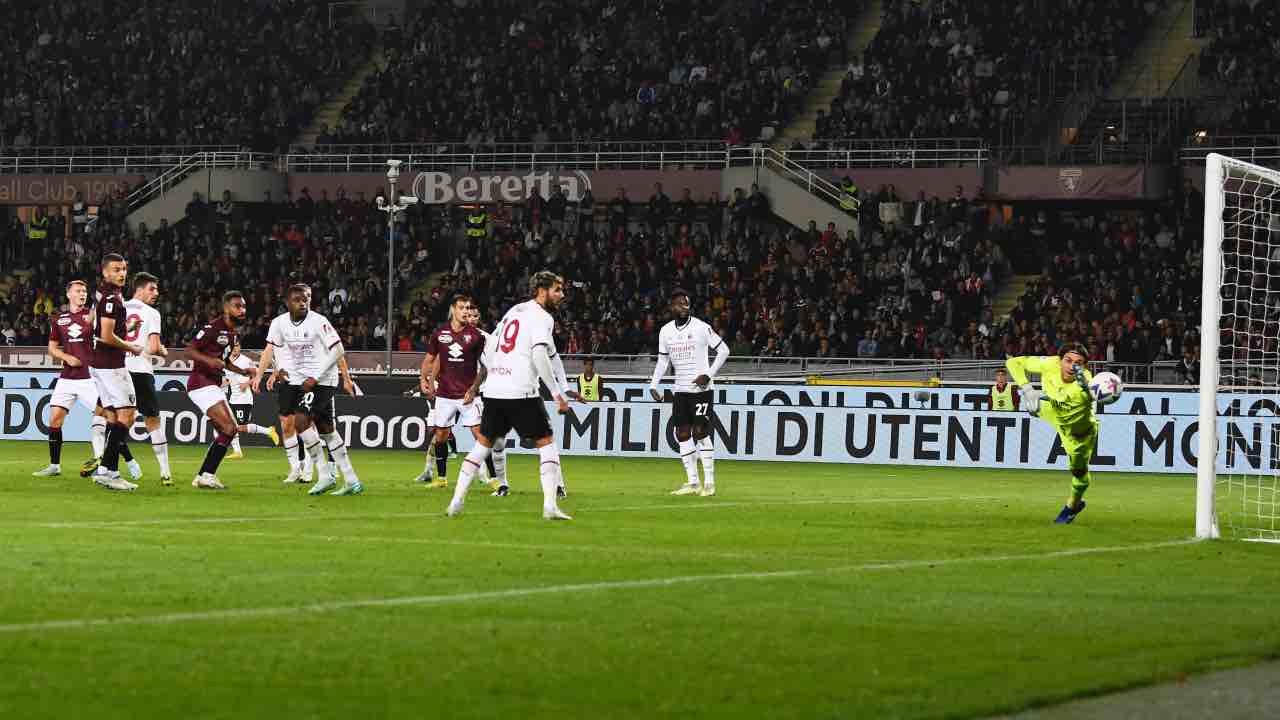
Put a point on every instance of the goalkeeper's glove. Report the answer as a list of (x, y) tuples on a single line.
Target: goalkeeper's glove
[(1029, 399), (1078, 369)]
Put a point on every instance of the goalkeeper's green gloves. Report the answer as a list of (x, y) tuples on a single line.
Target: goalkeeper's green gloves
[(1029, 399)]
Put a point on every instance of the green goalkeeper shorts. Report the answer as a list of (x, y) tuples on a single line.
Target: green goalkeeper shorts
[(1079, 442)]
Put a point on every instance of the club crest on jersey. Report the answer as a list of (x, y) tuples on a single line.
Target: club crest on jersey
[(222, 340)]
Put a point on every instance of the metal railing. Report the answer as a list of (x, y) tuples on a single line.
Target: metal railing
[(631, 159), (1258, 149), (178, 171), (764, 156), (741, 368), (902, 153), (98, 159)]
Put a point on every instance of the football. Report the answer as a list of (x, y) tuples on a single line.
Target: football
[(1106, 387)]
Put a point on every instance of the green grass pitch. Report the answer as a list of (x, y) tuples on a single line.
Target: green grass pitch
[(802, 590)]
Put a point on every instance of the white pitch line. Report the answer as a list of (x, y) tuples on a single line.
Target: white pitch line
[(420, 600), (693, 504), (628, 549)]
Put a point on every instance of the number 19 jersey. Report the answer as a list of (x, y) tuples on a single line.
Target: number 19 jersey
[(509, 351)]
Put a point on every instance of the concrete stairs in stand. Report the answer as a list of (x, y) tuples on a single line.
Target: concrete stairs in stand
[(331, 111), (1154, 66), (1006, 298), (827, 89)]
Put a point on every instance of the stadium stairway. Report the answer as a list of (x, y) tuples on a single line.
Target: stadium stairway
[(331, 111), (828, 86), (1006, 298), (1169, 46)]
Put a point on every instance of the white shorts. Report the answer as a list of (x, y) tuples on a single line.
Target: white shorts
[(448, 413), (115, 388), (67, 392), (206, 397)]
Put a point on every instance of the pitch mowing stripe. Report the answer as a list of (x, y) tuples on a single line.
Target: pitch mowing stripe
[(420, 600), (692, 504)]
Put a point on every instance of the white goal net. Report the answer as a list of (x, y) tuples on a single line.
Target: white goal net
[(1238, 493)]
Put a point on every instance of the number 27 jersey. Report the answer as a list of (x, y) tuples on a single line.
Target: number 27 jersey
[(508, 354)]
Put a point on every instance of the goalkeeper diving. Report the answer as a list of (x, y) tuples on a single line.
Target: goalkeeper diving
[(1065, 403)]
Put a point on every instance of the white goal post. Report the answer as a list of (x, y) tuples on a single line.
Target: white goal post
[(1238, 476)]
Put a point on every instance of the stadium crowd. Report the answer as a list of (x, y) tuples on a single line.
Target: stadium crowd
[(1243, 57), (918, 287), (961, 69), (569, 70), (103, 73)]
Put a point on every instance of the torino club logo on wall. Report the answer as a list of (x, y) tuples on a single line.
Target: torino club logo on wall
[(439, 188)]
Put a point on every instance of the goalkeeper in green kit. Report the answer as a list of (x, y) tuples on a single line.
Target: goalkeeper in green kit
[(1065, 403)]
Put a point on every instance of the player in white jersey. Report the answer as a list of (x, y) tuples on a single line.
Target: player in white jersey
[(683, 345), (142, 326), (239, 390), (313, 351), (496, 463), (516, 357)]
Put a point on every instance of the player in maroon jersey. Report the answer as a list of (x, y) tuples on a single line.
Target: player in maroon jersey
[(448, 377), (71, 343), (211, 353), (106, 367)]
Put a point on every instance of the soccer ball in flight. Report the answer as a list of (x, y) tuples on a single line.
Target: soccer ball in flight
[(1105, 387)]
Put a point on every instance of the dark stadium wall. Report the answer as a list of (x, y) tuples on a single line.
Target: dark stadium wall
[(435, 188), (61, 189), (908, 182)]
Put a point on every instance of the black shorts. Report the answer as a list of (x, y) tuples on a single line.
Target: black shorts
[(528, 416), (286, 398), (692, 408), (243, 414), (317, 403), (144, 387)]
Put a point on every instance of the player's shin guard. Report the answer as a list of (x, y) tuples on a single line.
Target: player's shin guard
[(707, 454), (217, 451), (549, 474), (689, 458), (235, 443), (1080, 483), (315, 453), (111, 453), (442, 459), (98, 435), (338, 449), (291, 452), (500, 460), (160, 446), (470, 466), (55, 447)]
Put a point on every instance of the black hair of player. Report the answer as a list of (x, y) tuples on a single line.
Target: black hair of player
[(144, 279), (299, 289), (110, 258), (1077, 348), (460, 297), (679, 292), (230, 295)]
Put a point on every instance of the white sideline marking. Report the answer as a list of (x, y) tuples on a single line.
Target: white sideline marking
[(693, 504), (419, 600)]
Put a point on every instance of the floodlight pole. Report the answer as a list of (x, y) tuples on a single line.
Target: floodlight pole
[(393, 205)]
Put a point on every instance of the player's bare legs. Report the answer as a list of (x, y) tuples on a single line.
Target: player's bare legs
[(548, 473), (225, 424), (707, 456), (338, 450), (688, 458), (57, 416)]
